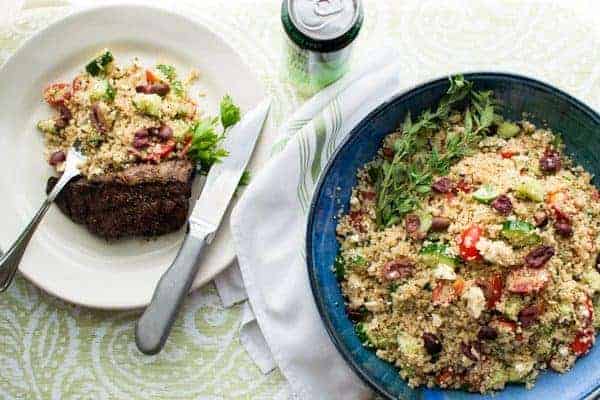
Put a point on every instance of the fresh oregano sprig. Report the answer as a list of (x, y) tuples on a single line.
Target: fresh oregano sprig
[(402, 183)]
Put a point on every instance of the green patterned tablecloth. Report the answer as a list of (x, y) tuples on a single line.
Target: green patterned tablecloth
[(52, 350)]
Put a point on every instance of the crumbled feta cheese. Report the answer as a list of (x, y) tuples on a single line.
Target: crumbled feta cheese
[(443, 271), (496, 251), (592, 278), (475, 301), (563, 351), (374, 306), (436, 320)]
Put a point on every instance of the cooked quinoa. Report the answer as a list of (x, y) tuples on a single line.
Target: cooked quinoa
[(492, 277), (120, 116)]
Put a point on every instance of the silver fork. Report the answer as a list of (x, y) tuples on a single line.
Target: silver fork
[(9, 262)]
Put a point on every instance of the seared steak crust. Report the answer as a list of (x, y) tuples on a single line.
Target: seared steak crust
[(143, 200)]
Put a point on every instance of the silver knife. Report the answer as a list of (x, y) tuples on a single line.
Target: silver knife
[(153, 327)]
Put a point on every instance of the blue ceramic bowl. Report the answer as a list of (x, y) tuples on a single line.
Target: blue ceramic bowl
[(580, 127)]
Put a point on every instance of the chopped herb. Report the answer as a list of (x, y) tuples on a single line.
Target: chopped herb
[(98, 65), (361, 332), (168, 71), (339, 267), (95, 141), (230, 113), (110, 92), (245, 179), (358, 261)]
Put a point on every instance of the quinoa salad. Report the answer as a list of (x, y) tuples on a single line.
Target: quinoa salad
[(121, 116), (469, 253)]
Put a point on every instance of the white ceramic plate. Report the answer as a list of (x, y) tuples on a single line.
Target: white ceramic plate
[(63, 258)]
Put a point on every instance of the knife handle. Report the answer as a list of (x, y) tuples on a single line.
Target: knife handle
[(154, 326)]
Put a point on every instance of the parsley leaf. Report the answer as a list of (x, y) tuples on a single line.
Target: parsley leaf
[(230, 113), (204, 148)]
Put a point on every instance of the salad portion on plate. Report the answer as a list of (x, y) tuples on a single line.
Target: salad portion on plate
[(143, 137)]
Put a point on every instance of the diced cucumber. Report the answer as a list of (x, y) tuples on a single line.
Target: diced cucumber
[(520, 233), (512, 306), (506, 130), (498, 378), (596, 304), (99, 64), (409, 345), (101, 90), (486, 194), (47, 126), (181, 130), (425, 220), (436, 253), (565, 309), (592, 278), (149, 104), (532, 189), (520, 370)]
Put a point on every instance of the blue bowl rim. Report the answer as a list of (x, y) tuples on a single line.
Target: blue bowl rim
[(333, 334)]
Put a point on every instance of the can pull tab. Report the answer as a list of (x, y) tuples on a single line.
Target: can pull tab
[(325, 8)]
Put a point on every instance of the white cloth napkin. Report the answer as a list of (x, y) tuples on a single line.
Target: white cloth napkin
[(268, 227)]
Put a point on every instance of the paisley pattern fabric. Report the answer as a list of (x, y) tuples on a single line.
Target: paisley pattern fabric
[(52, 350)]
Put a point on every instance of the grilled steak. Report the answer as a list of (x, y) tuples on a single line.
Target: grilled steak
[(143, 200)]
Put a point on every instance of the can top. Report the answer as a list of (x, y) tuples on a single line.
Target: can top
[(322, 25)]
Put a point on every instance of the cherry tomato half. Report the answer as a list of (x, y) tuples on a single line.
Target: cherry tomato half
[(584, 340), (468, 243)]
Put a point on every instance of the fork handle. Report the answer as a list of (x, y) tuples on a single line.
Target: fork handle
[(9, 262)]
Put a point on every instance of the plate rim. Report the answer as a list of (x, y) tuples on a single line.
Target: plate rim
[(79, 12), (310, 265)]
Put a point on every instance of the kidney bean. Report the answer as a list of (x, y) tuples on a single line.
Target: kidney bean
[(539, 256), (97, 118), (540, 218), (529, 315), (140, 143), (502, 204), (550, 161), (356, 315), (563, 228), (412, 224), (432, 343), (143, 89), (141, 133), (487, 333), (399, 268), (57, 157), (443, 185), (160, 89), (439, 223), (165, 132), (65, 116)]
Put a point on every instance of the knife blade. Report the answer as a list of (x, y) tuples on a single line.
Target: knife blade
[(154, 326)]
